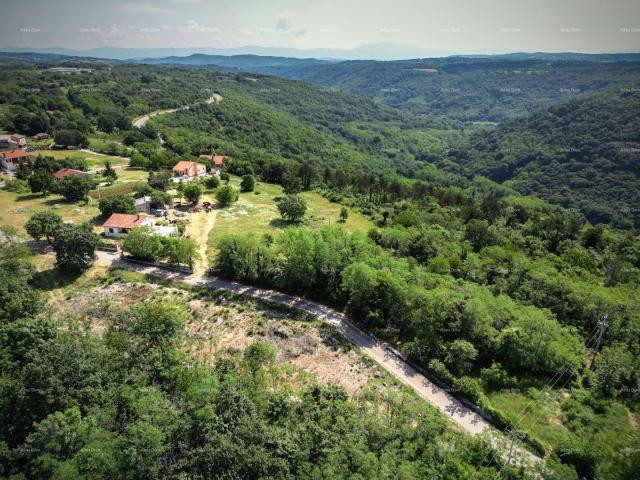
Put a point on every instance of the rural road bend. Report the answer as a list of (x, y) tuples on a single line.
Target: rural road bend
[(447, 404), (140, 122)]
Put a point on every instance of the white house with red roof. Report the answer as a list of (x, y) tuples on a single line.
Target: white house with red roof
[(119, 224)]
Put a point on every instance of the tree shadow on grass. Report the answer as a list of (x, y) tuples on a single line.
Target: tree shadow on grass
[(53, 278), (25, 197), (282, 223)]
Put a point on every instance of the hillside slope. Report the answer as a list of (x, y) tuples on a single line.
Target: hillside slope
[(482, 89), (581, 153)]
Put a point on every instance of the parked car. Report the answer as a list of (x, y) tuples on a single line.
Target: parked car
[(159, 212)]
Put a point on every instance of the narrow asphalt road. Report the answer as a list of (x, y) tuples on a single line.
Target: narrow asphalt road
[(140, 122)]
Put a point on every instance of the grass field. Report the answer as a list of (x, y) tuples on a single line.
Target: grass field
[(93, 160), (16, 209), (256, 212), (539, 413)]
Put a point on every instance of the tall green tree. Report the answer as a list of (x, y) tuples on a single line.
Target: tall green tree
[(75, 247)]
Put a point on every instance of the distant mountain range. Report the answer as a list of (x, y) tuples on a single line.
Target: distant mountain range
[(377, 51)]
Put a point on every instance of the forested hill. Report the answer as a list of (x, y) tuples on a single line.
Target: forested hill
[(583, 153), (469, 89)]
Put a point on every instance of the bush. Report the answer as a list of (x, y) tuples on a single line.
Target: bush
[(212, 181), (116, 204), (71, 138), (292, 208), (226, 195), (439, 370), (497, 377), (16, 186), (247, 184), (75, 188)]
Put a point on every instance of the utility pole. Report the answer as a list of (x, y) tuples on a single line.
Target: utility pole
[(514, 435), (603, 323)]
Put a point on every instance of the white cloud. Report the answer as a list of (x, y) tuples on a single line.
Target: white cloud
[(284, 25), (193, 26), (143, 8)]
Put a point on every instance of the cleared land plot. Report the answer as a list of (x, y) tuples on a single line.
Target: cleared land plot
[(16, 209), (93, 160), (258, 214)]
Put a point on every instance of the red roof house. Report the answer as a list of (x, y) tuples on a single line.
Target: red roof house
[(217, 160), (10, 160), (186, 168), (69, 172), (120, 223)]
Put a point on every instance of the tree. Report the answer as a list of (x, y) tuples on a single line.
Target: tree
[(291, 184), (116, 204), (18, 299), (247, 184), (109, 173), (75, 247), (479, 233), (41, 180), (344, 214), (141, 243), (292, 208), (180, 250), (71, 138), (75, 187), (193, 192), (226, 195), (212, 181), (160, 180), (43, 224), (460, 356), (225, 177), (180, 191)]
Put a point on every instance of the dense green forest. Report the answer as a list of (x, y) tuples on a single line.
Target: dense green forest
[(134, 403), (497, 294), (490, 295), (481, 89), (582, 153)]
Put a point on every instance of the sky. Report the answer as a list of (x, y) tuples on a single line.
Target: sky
[(455, 26)]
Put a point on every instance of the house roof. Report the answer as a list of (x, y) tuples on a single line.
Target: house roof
[(125, 220), (14, 154), (67, 172), (217, 160), (142, 200), (185, 165)]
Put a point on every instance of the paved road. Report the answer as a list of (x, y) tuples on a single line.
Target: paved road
[(141, 121), (449, 406)]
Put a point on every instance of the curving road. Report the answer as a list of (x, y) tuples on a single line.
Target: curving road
[(140, 122), (448, 405)]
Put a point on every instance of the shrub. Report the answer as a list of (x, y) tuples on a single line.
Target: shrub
[(116, 204), (212, 181), (43, 224), (247, 184), (226, 195), (75, 188), (292, 208)]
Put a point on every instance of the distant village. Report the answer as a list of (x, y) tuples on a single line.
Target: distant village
[(15, 151)]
